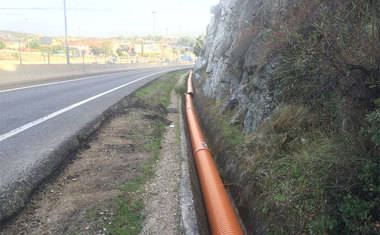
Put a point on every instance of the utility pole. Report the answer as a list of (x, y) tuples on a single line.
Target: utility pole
[(66, 42), (105, 55), (154, 25), (19, 51), (142, 48)]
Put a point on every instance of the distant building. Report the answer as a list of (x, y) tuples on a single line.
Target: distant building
[(46, 40), (147, 48), (79, 48), (15, 44)]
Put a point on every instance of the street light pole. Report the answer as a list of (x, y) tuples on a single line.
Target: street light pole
[(19, 51), (154, 25), (66, 42)]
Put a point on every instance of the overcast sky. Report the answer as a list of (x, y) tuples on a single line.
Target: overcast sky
[(105, 18)]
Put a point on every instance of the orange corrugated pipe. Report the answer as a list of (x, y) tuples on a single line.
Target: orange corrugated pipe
[(221, 215), (190, 88)]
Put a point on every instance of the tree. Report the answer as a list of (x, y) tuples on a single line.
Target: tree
[(198, 45), (107, 46), (119, 52), (2, 45), (157, 38), (56, 48), (35, 45), (45, 49), (186, 41), (96, 50)]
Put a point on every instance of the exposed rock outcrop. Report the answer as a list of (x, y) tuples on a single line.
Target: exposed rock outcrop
[(302, 78), (232, 60)]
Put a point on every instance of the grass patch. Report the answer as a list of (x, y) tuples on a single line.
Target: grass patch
[(233, 134), (129, 217), (159, 91), (311, 179), (304, 174), (297, 175), (180, 89)]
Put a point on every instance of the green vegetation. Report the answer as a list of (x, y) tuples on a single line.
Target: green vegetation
[(325, 64), (186, 41), (233, 135), (129, 208), (129, 217), (180, 89), (314, 166), (96, 50), (2, 45), (107, 47), (35, 45), (56, 48), (319, 171), (159, 92), (373, 126), (307, 178), (198, 45)]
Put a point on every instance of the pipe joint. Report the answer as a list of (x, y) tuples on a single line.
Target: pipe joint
[(201, 149), (221, 215)]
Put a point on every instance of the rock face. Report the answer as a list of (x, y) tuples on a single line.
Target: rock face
[(230, 67), (293, 75)]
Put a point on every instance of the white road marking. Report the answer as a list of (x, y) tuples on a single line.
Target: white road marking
[(68, 108), (49, 83)]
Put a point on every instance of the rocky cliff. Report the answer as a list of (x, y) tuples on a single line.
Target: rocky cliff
[(289, 95), (232, 60)]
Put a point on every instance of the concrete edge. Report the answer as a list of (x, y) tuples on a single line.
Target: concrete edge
[(200, 209), (14, 198), (188, 222), (211, 140)]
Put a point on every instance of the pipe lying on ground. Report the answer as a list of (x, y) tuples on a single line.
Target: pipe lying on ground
[(221, 215), (190, 88)]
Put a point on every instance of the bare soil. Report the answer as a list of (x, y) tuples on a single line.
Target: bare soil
[(162, 192), (80, 200)]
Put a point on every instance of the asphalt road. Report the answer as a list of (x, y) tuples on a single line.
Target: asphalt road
[(37, 122)]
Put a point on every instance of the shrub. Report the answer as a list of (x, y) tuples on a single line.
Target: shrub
[(373, 128), (2, 45), (327, 46)]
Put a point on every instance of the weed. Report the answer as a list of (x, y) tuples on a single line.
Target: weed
[(180, 90), (159, 91), (307, 168), (356, 214), (129, 216), (373, 127)]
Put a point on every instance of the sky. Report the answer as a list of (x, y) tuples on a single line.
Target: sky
[(107, 18)]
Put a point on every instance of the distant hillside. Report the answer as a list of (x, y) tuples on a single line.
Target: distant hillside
[(4, 34)]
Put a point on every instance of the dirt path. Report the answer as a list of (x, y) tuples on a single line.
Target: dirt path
[(102, 190), (162, 196)]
